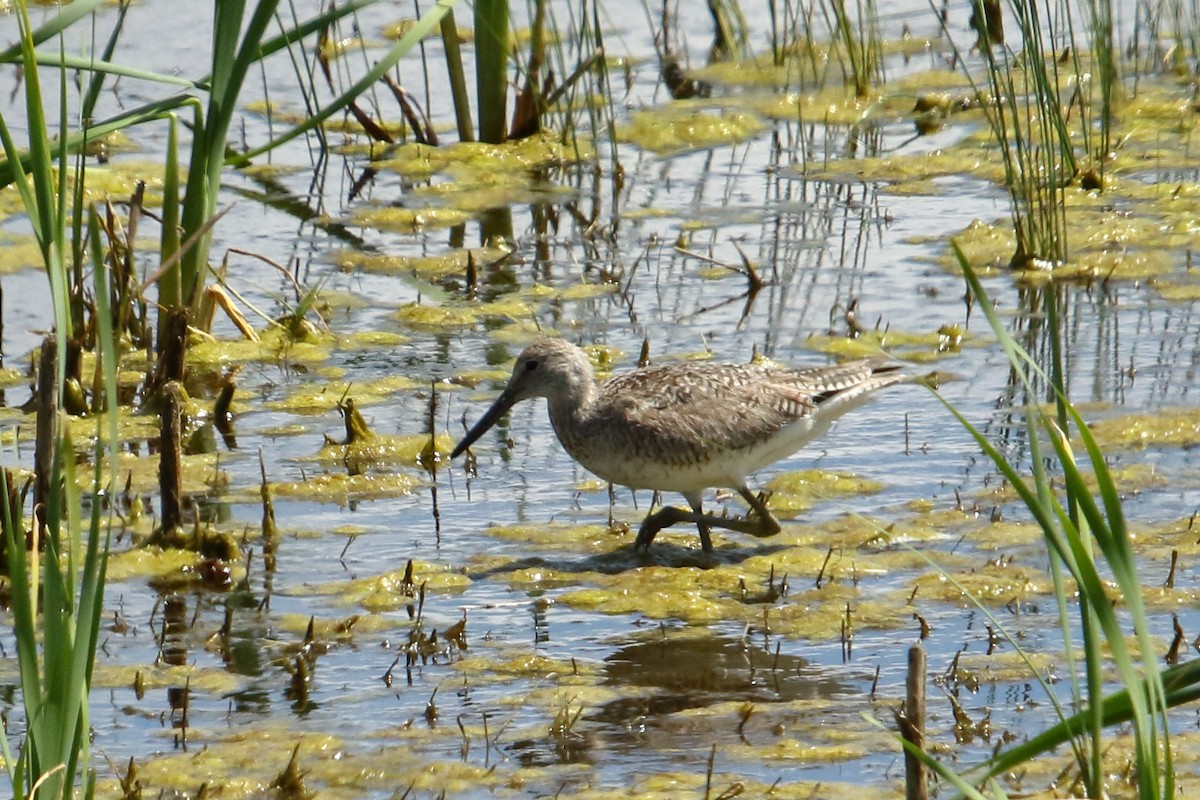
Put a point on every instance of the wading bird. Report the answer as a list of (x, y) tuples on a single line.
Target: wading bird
[(685, 427)]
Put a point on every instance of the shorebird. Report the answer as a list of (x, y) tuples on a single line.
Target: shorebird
[(685, 427)]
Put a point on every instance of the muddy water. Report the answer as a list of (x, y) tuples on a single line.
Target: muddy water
[(584, 667)]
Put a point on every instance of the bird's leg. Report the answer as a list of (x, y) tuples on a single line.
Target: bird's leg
[(612, 501), (767, 524), (701, 520)]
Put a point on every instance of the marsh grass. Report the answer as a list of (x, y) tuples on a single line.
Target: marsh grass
[(1105, 68), (1041, 107), (1089, 547), (56, 567), (208, 105), (1166, 38), (491, 68), (552, 71), (822, 41), (731, 34), (800, 48), (861, 43), (1030, 126)]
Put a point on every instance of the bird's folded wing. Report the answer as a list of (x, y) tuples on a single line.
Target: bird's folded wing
[(712, 410)]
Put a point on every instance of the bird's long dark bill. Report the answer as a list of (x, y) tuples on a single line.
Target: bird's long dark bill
[(498, 410)]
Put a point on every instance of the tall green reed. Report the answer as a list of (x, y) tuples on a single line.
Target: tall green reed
[(1030, 126), (1030, 99), (208, 104), (491, 68), (861, 42), (1089, 544), (1105, 69), (57, 567), (819, 42)]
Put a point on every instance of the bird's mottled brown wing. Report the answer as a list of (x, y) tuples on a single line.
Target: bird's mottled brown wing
[(683, 415)]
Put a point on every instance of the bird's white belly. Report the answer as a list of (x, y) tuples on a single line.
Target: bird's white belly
[(709, 468), (639, 474)]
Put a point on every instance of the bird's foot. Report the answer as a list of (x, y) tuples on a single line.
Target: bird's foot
[(663, 518), (762, 527), (759, 521)]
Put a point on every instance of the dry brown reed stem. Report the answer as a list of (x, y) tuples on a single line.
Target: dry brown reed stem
[(431, 457), (912, 725), (268, 519), (222, 416), (170, 480), (172, 350), (531, 102), (46, 407), (418, 120)]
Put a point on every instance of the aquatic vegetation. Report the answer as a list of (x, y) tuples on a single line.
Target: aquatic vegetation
[(793, 492), (431, 267), (1178, 427), (920, 348), (684, 127)]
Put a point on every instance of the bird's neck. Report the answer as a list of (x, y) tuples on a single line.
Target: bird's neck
[(575, 402)]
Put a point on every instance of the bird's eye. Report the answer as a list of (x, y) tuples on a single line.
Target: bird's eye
[(531, 365)]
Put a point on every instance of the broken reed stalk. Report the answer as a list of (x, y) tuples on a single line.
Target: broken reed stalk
[(170, 482), (915, 779), (708, 773), (47, 421), (172, 347), (530, 103), (222, 416), (432, 457), (125, 284), (268, 506)]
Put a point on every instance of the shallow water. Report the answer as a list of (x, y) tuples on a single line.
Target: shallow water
[(589, 668)]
